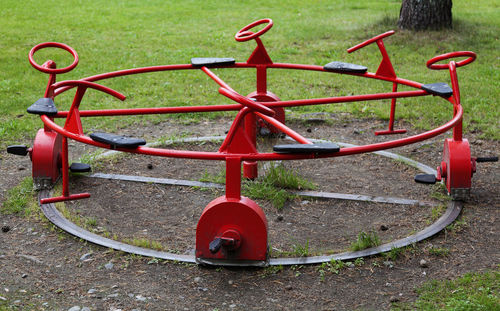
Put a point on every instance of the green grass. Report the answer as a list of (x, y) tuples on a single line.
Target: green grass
[(365, 240), (439, 251), (21, 199), (273, 185), (113, 35), (473, 291)]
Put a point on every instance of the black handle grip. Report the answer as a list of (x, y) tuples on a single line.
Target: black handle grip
[(425, 178), (215, 245), (487, 159), (21, 150)]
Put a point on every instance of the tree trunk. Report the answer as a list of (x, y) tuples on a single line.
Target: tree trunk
[(425, 14)]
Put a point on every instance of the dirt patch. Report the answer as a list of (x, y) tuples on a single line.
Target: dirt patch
[(43, 269)]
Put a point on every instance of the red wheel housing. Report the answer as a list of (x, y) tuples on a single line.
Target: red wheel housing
[(46, 158), (456, 168), (243, 216)]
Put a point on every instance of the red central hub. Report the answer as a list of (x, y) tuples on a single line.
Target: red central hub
[(239, 227)]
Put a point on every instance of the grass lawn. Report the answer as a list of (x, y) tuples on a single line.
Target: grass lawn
[(113, 35)]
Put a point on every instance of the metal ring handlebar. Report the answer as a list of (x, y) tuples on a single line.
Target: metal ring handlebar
[(370, 41), (245, 35), (53, 45), (247, 102), (431, 63), (87, 84)]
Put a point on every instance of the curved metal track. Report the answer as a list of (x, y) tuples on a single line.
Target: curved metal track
[(452, 212)]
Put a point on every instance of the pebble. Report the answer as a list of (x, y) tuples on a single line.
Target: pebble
[(140, 298), (197, 279), (112, 295), (75, 308), (230, 282), (92, 291), (232, 306), (85, 309), (3, 298), (24, 276), (202, 289), (85, 256), (109, 266), (5, 228), (423, 263), (288, 287)]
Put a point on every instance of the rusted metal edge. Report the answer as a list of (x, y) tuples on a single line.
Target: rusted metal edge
[(313, 194), (51, 212), (452, 212)]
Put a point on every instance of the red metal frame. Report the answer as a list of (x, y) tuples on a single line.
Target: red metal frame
[(239, 145)]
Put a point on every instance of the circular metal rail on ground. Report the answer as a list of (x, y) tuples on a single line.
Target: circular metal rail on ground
[(453, 210)]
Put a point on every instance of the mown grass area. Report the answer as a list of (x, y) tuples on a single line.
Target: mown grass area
[(473, 291), (114, 35)]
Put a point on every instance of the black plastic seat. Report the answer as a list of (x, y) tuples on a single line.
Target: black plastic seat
[(118, 141), (211, 61), (80, 168), (439, 89), (307, 148), (43, 106), (345, 67)]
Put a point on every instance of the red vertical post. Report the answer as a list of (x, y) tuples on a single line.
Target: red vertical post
[(393, 108), (65, 168), (457, 129), (233, 178)]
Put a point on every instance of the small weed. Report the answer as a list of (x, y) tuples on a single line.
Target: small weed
[(439, 192), (301, 250), (91, 222), (270, 186), (220, 178), (296, 270), (458, 225), (270, 270), (365, 240), (280, 177), (267, 191), (92, 159), (436, 212), (359, 262), (394, 253), (153, 261), (333, 266), (141, 242), (439, 251)]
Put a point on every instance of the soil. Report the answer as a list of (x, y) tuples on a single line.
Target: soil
[(43, 269)]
